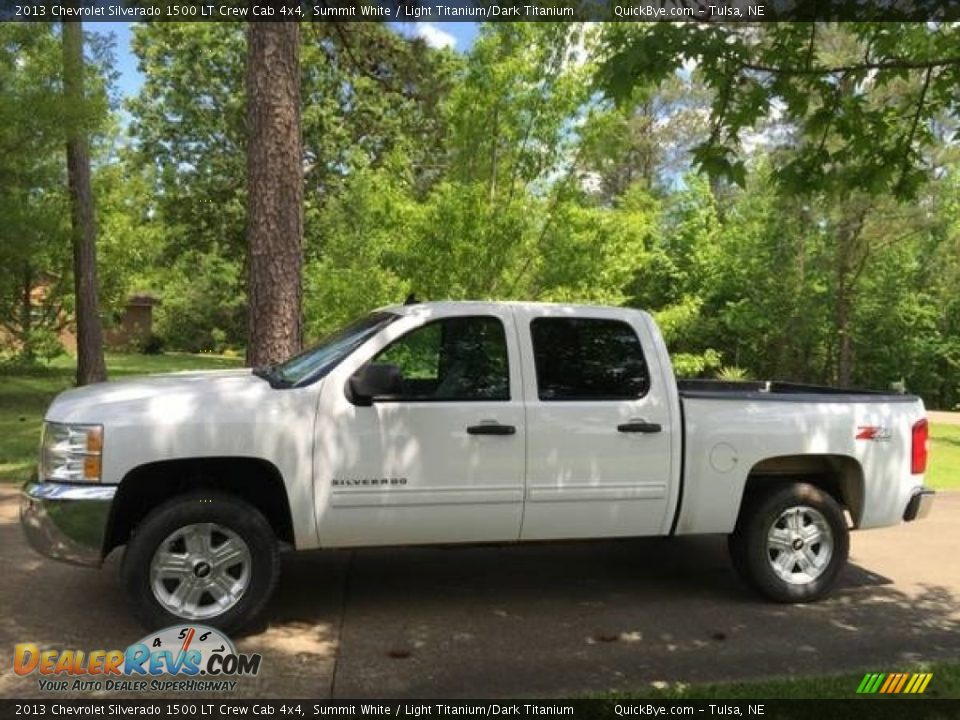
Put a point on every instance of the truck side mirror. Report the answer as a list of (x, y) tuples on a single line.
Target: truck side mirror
[(373, 381)]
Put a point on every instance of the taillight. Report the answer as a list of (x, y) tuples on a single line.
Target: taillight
[(918, 452)]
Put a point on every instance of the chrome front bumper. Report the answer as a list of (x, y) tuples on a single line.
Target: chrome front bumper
[(67, 522)]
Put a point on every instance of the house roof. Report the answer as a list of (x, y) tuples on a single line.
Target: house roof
[(142, 300)]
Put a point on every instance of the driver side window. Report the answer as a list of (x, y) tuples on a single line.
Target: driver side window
[(462, 358)]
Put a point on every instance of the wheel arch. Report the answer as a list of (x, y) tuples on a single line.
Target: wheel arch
[(840, 476), (145, 487)]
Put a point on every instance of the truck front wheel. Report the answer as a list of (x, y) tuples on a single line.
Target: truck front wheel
[(791, 543), (203, 557)]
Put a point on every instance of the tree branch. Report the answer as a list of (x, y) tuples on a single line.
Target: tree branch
[(357, 65), (722, 109), (810, 45), (892, 64), (548, 222), (908, 139)]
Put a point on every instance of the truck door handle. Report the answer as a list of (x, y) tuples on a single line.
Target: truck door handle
[(639, 427), (491, 429)]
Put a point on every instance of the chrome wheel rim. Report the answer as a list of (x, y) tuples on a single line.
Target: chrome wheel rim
[(799, 545), (200, 571)]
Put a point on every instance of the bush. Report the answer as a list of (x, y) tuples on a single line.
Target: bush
[(152, 345), (732, 373), (204, 305), (39, 345)]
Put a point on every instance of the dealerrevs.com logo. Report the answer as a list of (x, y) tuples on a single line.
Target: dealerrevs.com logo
[(199, 659)]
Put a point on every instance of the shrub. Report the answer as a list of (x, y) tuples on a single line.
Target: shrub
[(204, 305), (732, 373), (153, 344)]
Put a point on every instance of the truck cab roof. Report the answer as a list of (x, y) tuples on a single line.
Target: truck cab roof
[(440, 307)]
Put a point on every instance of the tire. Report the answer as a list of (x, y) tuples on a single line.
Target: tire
[(203, 557), (791, 543)]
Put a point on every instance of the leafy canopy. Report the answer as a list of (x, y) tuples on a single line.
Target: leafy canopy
[(860, 102)]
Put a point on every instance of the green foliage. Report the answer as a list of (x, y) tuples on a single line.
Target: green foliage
[(153, 345), (368, 95), (646, 140), (863, 100), (204, 306), (188, 121), (35, 253), (508, 219), (354, 244), (818, 246), (44, 343), (131, 240), (732, 373), (692, 365), (34, 244)]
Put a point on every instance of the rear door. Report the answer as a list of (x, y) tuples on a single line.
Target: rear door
[(598, 426)]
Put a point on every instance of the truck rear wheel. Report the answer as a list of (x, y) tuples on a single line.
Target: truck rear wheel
[(791, 543), (203, 557)]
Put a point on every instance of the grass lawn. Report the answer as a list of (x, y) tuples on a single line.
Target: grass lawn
[(24, 398), (945, 683), (943, 468)]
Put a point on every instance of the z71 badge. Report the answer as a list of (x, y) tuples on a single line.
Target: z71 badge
[(873, 432)]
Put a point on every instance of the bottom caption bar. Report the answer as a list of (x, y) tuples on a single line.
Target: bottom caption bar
[(874, 709)]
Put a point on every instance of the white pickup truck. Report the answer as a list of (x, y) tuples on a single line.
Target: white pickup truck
[(462, 422)]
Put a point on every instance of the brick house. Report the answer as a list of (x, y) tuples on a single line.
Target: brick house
[(127, 329)]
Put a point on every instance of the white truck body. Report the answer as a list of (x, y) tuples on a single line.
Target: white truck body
[(395, 471)]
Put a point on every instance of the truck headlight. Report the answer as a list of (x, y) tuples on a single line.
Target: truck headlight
[(71, 453)]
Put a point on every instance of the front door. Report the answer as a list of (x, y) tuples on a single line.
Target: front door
[(439, 459), (598, 428)]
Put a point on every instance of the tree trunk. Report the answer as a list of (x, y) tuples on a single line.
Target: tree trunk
[(274, 192), (849, 261), (844, 310), (90, 365), (26, 314)]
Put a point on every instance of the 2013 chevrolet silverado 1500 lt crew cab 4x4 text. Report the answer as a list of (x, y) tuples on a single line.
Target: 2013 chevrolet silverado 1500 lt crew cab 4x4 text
[(462, 422)]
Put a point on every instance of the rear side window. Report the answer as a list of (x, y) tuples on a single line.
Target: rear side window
[(587, 359)]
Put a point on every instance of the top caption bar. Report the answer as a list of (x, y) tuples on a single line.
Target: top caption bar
[(748, 11)]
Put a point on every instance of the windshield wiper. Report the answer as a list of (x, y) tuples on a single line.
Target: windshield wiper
[(269, 373)]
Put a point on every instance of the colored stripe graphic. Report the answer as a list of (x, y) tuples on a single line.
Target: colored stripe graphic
[(894, 683), (870, 683), (889, 683)]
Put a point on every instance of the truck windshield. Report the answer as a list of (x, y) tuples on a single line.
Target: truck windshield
[(314, 363)]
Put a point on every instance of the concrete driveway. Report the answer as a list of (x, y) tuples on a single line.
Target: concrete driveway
[(547, 620)]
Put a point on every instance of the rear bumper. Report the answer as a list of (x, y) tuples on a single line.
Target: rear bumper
[(919, 506), (67, 522)]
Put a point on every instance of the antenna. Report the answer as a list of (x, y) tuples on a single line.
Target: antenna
[(411, 299)]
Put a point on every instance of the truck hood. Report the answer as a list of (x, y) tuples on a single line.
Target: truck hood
[(163, 397)]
